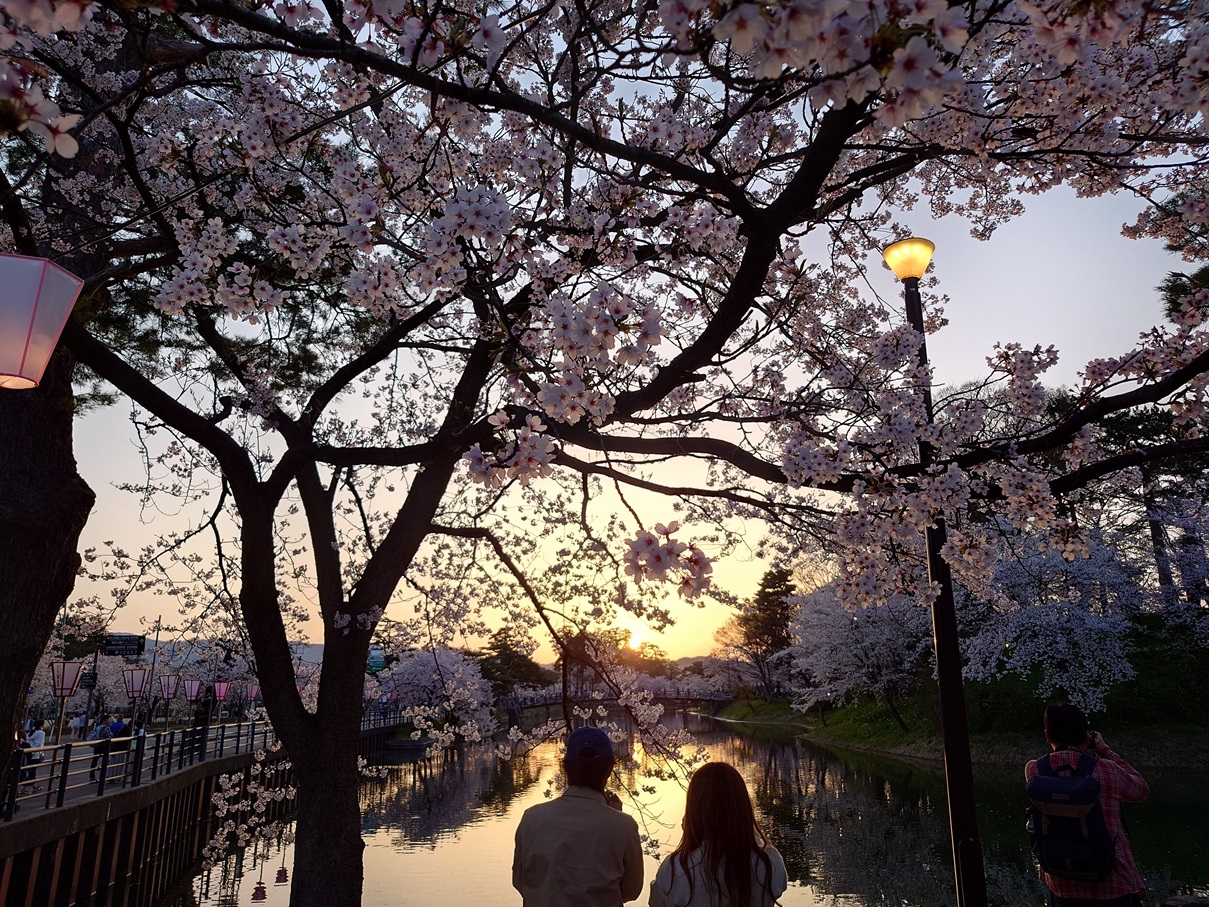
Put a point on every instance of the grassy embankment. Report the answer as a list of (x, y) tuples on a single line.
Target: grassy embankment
[(1159, 719)]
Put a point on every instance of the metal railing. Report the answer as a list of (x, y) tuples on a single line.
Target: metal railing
[(77, 769), (70, 772)]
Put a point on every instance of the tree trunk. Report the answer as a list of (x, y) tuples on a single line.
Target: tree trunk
[(328, 870), (43, 507), (894, 712), (1194, 569), (1158, 544)]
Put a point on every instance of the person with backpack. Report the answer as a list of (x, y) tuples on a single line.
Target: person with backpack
[(1075, 829)]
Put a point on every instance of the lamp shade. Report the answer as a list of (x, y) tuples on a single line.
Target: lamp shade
[(169, 685), (65, 675), (35, 300), (221, 689), (135, 680), (909, 258), (193, 689)]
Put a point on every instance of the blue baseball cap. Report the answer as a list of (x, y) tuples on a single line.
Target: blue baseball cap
[(588, 744)]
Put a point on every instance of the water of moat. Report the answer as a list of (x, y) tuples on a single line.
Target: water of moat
[(855, 830)]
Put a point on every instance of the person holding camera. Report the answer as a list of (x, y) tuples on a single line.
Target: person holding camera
[(1075, 749), (580, 849)]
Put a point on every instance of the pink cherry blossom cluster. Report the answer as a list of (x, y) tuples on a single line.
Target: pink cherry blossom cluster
[(522, 454), (21, 96), (658, 555), (839, 39), (245, 297)]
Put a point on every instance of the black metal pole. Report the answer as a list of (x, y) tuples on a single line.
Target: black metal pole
[(968, 869)]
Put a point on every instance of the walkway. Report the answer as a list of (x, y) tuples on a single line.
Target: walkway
[(82, 770)]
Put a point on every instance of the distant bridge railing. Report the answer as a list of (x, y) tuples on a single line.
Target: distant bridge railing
[(50, 777), (605, 696)]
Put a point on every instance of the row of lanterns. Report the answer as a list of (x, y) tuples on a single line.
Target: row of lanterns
[(66, 681), (65, 678)]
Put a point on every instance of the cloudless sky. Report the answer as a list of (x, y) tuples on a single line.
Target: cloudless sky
[(1062, 274)]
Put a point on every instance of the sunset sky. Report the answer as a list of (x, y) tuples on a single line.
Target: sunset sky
[(1060, 275)]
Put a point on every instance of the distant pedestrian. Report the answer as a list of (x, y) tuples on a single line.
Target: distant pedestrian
[(37, 739), (101, 734)]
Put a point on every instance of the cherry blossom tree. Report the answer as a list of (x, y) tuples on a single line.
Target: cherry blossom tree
[(433, 293), (879, 651)]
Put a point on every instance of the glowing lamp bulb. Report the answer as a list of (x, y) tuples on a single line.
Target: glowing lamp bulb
[(909, 258)]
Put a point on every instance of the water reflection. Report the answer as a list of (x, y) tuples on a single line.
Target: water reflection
[(855, 830)]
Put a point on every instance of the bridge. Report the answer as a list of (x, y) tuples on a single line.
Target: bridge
[(675, 699), (97, 814)]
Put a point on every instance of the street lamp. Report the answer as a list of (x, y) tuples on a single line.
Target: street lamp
[(65, 678), (221, 689), (135, 680), (38, 296), (169, 686), (908, 259), (251, 692)]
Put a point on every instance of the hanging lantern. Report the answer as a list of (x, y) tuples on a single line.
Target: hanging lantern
[(169, 685), (221, 689), (251, 691), (135, 679), (38, 296), (193, 689), (65, 676)]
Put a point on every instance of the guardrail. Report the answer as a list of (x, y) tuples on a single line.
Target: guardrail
[(81, 768), (77, 769)]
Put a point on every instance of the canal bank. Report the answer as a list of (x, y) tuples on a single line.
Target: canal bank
[(1162, 747)]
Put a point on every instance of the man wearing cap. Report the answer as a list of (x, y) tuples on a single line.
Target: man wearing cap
[(580, 849)]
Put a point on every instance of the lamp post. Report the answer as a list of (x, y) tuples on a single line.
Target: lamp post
[(65, 677), (193, 688), (908, 259), (251, 692), (169, 687), (221, 689), (135, 680), (38, 297)]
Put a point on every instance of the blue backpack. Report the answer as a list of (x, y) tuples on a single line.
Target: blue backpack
[(1066, 827)]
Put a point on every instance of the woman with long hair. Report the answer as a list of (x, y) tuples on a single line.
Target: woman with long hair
[(724, 859)]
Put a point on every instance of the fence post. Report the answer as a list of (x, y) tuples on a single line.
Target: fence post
[(105, 744), (65, 767), (205, 743), (140, 749), (9, 803), (222, 739), (155, 757)]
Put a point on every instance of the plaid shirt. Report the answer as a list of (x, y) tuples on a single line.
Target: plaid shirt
[(1119, 783)]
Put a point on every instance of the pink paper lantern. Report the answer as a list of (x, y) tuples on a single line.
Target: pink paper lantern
[(169, 685), (251, 691), (193, 689), (135, 679), (221, 689), (38, 297), (66, 677)]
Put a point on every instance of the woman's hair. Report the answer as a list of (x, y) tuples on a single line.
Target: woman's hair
[(719, 819)]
